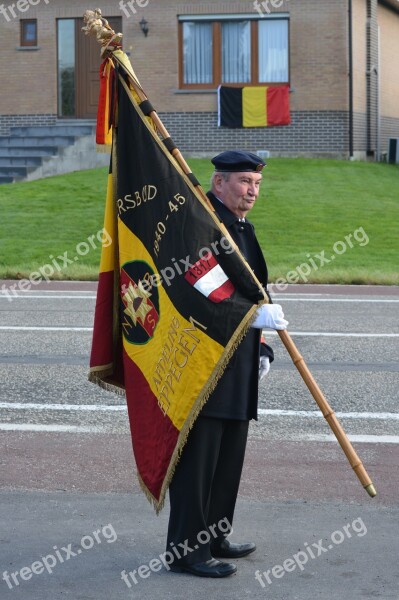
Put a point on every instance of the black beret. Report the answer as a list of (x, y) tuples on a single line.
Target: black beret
[(238, 161)]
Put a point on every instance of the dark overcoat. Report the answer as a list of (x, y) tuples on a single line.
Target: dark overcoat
[(236, 394)]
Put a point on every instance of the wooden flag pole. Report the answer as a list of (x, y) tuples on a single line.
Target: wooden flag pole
[(328, 414), (96, 24)]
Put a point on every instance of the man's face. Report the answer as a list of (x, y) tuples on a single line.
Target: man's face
[(239, 193)]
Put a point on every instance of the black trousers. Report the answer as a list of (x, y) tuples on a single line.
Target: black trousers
[(204, 488)]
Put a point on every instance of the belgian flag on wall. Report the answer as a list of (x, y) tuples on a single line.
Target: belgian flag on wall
[(253, 106), (174, 297)]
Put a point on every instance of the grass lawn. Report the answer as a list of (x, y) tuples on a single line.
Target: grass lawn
[(308, 208)]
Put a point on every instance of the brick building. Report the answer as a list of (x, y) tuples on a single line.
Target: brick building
[(338, 56)]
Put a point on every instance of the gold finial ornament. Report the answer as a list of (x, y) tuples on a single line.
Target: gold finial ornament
[(98, 26)]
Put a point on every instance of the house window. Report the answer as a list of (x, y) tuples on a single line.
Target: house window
[(66, 67), (236, 52), (197, 51), (233, 49), (28, 32), (273, 51)]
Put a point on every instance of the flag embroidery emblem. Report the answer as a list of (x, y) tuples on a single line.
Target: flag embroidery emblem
[(139, 313)]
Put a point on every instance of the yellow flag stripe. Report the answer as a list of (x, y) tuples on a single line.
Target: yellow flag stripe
[(254, 106), (178, 361), (107, 252)]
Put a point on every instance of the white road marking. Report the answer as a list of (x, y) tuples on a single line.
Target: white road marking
[(49, 428), (81, 295), (42, 291), (36, 428), (359, 438), (316, 413), (267, 332), (275, 298), (79, 407), (333, 334), (300, 299), (14, 328), (386, 416), (12, 297)]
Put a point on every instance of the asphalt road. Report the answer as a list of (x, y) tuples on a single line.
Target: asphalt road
[(67, 468)]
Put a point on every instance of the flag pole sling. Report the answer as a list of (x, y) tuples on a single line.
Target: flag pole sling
[(106, 40)]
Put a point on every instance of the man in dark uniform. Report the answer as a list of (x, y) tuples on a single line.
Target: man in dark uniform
[(204, 488)]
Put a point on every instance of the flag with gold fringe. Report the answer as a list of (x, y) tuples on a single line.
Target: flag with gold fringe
[(174, 299), (253, 106)]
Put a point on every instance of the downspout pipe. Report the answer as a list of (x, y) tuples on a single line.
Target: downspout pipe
[(378, 154), (350, 75)]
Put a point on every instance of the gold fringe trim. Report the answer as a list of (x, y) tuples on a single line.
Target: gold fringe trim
[(116, 329), (157, 505), (207, 390), (105, 369), (102, 376), (109, 386)]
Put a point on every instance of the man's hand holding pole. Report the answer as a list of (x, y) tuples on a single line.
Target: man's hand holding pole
[(270, 316)]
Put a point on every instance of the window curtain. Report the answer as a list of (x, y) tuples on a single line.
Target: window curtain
[(273, 51), (197, 52), (236, 52)]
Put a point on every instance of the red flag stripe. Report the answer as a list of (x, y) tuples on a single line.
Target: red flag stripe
[(278, 105), (148, 425), (222, 293)]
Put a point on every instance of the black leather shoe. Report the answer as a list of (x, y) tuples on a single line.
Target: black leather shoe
[(227, 549), (210, 568)]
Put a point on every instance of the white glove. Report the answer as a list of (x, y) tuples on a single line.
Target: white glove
[(264, 366), (270, 316)]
